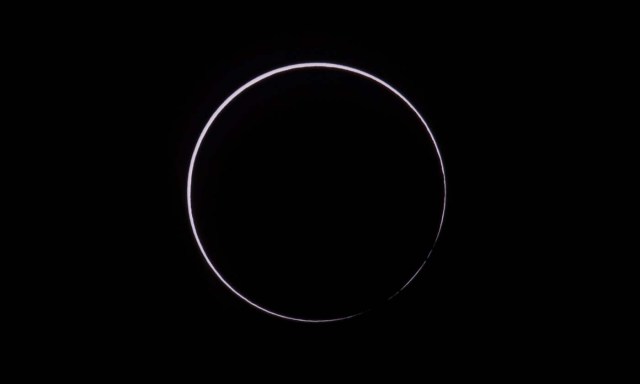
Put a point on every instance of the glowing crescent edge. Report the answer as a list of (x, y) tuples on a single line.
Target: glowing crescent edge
[(257, 80)]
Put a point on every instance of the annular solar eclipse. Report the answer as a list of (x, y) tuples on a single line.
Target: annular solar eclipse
[(211, 124)]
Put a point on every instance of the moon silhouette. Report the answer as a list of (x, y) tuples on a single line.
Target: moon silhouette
[(220, 109)]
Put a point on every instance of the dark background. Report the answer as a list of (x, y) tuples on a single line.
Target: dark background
[(481, 284), (120, 101), (490, 95)]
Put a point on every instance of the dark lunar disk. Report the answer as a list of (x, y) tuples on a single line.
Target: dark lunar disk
[(317, 193)]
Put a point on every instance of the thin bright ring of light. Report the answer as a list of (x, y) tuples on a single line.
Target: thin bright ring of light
[(245, 87)]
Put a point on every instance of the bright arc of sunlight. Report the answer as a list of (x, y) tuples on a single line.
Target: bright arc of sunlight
[(244, 88)]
